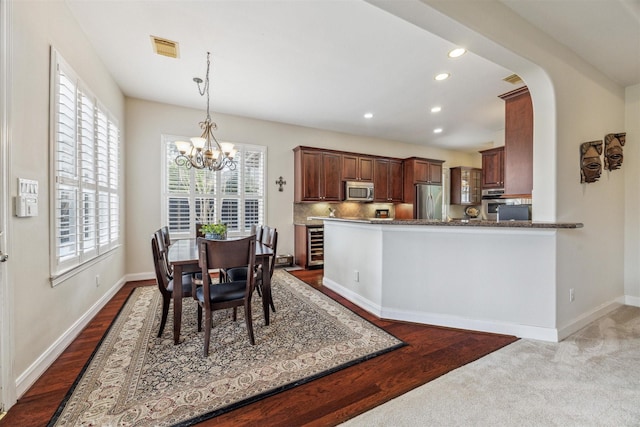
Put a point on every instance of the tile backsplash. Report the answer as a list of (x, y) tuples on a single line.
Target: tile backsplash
[(301, 211)]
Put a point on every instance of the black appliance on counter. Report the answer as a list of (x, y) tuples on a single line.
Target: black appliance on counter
[(514, 213)]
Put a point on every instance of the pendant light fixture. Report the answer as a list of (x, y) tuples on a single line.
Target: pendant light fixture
[(205, 152)]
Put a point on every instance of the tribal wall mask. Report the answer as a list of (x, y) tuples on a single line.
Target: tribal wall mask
[(590, 162)]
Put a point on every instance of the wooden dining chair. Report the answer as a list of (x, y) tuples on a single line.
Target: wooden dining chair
[(257, 231), (165, 281), (225, 254), (166, 236), (163, 248), (269, 239)]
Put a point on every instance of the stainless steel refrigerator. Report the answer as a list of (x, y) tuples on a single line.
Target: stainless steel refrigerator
[(428, 201)]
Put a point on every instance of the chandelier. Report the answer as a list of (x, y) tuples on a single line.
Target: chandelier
[(205, 152)]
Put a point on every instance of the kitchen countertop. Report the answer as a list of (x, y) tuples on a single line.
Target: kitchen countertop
[(455, 223)]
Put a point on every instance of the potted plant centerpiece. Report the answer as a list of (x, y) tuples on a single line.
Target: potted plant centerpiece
[(215, 231)]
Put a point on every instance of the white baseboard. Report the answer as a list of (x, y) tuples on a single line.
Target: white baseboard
[(522, 331), (355, 298), (139, 276), (42, 363), (630, 300), (584, 319)]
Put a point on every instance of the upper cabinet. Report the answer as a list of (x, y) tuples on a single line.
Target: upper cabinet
[(518, 146), (466, 186), (357, 168), (511, 167), (420, 171), (493, 168), (387, 180), (317, 175)]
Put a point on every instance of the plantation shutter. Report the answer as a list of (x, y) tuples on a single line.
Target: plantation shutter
[(178, 193), (253, 188), (84, 152), (234, 197), (66, 183)]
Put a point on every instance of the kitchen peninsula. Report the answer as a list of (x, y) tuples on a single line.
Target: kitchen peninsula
[(481, 275)]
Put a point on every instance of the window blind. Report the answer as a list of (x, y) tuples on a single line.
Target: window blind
[(85, 151), (193, 196)]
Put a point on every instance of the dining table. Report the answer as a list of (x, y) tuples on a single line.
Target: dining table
[(183, 257)]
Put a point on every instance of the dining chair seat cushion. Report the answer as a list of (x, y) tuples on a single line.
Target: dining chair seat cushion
[(223, 292), (186, 285)]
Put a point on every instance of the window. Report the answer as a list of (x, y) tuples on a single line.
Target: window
[(85, 157), (192, 196)]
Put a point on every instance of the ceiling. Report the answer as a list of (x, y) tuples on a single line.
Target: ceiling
[(324, 64)]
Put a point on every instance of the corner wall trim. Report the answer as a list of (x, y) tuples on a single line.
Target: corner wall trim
[(42, 363)]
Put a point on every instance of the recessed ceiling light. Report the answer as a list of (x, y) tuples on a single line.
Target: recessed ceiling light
[(368, 115), (457, 52), (442, 76), (437, 130), (436, 109)]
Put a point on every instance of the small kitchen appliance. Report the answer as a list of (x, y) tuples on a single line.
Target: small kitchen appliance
[(358, 191)]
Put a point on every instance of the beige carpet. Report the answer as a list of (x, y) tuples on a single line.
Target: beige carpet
[(135, 378), (590, 379)]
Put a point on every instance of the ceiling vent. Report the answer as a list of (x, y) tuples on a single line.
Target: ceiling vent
[(514, 79), (164, 47)]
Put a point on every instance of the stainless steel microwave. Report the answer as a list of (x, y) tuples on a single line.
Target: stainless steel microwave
[(358, 191)]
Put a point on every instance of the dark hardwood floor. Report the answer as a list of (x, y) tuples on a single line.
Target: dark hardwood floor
[(430, 353)]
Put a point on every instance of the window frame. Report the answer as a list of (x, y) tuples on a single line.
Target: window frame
[(218, 195), (93, 184)]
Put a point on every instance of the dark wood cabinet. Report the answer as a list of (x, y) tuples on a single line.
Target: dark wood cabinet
[(317, 175), (466, 186), (493, 168), (518, 146), (420, 171), (387, 180), (357, 168), (309, 245), (320, 174)]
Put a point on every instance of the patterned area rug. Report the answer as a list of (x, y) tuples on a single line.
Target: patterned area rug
[(135, 378)]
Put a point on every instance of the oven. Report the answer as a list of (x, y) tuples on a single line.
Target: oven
[(491, 200)]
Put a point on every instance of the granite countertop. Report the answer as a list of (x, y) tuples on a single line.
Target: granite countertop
[(455, 223)]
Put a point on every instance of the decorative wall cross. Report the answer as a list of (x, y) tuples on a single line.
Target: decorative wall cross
[(281, 182)]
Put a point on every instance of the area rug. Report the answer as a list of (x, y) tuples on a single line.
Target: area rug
[(137, 379)]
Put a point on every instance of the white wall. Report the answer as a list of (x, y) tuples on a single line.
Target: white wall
[(147, 121), (632, 197), (43, 314)]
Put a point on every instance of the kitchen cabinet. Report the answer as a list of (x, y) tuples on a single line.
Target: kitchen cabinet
[(387, 180), (518, 145), (317, 175), (357, 168), (466, 186), (309, 245), (420, 171), (493, 168)]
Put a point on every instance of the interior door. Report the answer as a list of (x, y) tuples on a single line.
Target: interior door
[(7, 383)]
